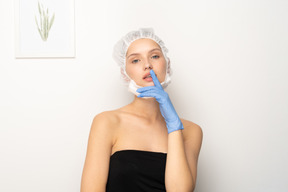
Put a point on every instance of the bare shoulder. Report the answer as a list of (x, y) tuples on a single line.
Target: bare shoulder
[(100, 143), (105, 123), (193, 136), (191, 130), (106, 117)]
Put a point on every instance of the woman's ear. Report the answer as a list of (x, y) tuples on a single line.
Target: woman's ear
[(169, 70), (124, 76)]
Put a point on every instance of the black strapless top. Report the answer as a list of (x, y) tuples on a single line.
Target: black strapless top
[(135, 171)]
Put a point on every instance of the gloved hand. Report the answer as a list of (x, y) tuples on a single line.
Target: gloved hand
[(167, 110)]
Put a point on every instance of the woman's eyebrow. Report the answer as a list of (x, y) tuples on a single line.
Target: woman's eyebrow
[(148, 52)]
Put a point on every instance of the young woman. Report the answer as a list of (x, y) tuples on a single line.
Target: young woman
[(143, 146)]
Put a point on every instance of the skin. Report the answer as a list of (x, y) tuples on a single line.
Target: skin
[(140, 125), (141, 55)]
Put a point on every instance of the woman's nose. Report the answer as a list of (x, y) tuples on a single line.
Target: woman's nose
[(148, 65)]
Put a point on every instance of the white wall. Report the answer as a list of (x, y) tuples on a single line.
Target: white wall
[(230, 77)]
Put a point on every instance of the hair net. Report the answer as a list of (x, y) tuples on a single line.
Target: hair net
[(121, 47)]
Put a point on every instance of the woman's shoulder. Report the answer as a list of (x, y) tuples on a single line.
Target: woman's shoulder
[(108, 117), (191, 129), (104, 124), (111, 117), (187, 123)]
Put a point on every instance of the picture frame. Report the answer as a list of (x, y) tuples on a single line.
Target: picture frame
[(44, 29)]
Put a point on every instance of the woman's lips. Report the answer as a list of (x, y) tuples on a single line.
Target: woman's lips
[(149, 79)]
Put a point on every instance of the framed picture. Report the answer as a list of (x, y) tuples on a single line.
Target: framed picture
[(44, 29)]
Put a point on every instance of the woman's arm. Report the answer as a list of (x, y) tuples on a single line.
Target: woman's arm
[(96, 167), (182, 157)]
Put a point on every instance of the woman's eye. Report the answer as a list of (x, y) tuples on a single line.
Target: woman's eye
[(135, 60), (155, 56)]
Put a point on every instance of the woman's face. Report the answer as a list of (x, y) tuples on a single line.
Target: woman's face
[(142, 56)]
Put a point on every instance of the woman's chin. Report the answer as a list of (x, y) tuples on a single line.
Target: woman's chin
[(146, 84)]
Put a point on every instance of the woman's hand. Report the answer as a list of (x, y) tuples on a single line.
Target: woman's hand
[(172, 120)]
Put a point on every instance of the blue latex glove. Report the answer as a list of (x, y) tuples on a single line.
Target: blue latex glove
[(167, 110)]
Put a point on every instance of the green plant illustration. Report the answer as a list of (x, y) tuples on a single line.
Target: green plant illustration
[(45, 22)]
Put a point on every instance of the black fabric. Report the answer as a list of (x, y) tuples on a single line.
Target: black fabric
[(136, 171)]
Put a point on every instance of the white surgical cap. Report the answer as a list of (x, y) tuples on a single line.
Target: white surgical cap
[(121, 47)]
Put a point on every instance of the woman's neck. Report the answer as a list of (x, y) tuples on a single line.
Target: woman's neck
[(148, 108)]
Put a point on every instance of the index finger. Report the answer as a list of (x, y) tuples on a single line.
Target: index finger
[(155, 79)]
